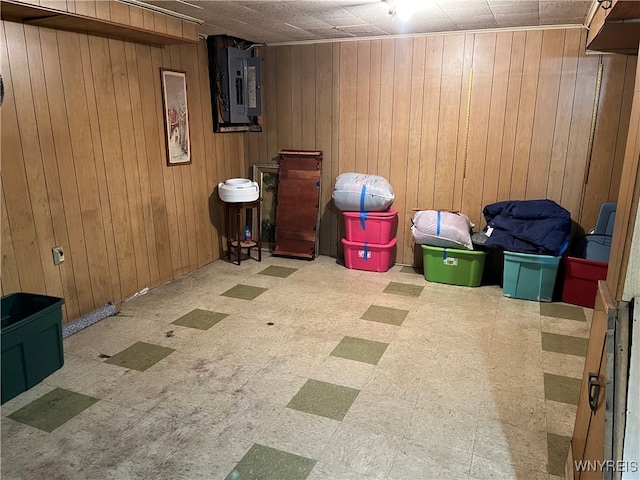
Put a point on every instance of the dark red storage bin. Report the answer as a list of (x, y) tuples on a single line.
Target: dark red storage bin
[(581, 280)]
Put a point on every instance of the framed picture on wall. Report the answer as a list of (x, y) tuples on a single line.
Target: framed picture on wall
[(266, 175), (176, 116)]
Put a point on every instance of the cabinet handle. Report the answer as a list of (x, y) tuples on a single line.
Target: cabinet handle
[(594, 391)]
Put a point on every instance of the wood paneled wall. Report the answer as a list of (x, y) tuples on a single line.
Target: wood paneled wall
[(84, 167), (400, 108), (623, 278)]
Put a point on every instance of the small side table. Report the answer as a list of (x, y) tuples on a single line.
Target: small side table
[(234, 238)]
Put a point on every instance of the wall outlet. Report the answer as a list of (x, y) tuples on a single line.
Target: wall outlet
[(58, 255)]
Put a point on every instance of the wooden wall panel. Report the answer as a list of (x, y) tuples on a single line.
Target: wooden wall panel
[(14, 180), (497, 113), (324, 104), (400, 118), (526, 114), (474, 155), (348, 105), (361, 94), (296, 97), (603, 153), (562, 126), (430, 122), (628, 201), (545, 111), (451, 91), (623, 127), (510, 129), (414, 141), (463, 128), (581, 118), (85, 133), (36, 182), (308, 92), (397, 108)]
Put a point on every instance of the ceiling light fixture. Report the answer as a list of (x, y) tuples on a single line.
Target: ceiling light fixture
[(605, 4), (403, 9)]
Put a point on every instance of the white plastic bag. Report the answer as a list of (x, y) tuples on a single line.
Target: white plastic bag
[(442, 229), (358, 192)]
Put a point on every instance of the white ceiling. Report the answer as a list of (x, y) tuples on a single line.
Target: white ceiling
[(272, 21)]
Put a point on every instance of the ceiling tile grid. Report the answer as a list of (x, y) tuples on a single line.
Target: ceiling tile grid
[(283, 21)]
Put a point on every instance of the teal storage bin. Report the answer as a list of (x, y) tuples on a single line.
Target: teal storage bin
[(529, 277), (31, 341)]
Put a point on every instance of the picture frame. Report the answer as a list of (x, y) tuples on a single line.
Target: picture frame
[(176, 116), (267, 176)]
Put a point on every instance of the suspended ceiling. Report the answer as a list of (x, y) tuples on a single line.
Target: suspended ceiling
[(284, 21)]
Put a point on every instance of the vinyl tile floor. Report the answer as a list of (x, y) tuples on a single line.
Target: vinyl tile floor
[(294, 369)]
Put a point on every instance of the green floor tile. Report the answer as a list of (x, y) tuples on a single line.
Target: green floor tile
[(558, 449), (200, 319), (411, 270), (53, 409), (265, 463), (561, 389), (360, 350), (275, 271), (552, 342), (244, 292), (405, 289), (559, 310), (140, 356), (393, 316), (324, 399)]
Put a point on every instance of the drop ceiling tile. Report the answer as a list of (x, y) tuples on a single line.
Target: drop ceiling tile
[(363, 30), (329, 33), (466, 8), (475, 22), (287, 13), (517, 20), (511, 7), (563, 10)]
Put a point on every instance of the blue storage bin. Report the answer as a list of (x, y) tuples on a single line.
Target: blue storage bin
[(529, 277), (594, 246)]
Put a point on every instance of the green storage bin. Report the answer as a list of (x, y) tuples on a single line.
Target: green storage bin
[(31, 334), (529, 277), (453, 266)]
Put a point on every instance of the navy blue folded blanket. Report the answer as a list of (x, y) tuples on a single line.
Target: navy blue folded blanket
[(540, 227)]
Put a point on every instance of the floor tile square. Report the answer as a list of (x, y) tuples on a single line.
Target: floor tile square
[(558, 446), (360, 350), (562, 389), (200, 319), (406, 289), (416, 270), (53, 409), (559, 310), (392, 316), (552, 342), (140, 356), (244, 292), (298, 432), (362, 449), (324, 399), (275, 271), (262, 462)]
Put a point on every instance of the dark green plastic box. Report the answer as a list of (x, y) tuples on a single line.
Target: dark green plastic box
[(31, 341)]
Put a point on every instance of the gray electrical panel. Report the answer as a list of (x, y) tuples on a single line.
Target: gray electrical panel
[(240, 85)]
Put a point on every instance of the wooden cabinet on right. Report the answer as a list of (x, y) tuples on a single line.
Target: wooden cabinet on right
[(588, 443)]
